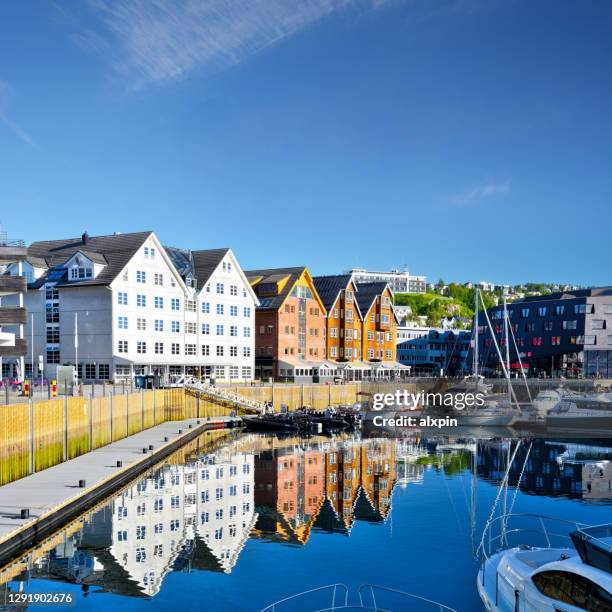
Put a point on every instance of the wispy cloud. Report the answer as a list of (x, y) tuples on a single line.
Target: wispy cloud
[(481, 192), (153, 41), (6, 96)]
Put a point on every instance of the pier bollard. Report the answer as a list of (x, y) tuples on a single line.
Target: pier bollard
[(150, 447), (82, 484), (189, 425), (197, 422), (180, 431), (144, 451), (25, 513), (166, 438), (119, 463)]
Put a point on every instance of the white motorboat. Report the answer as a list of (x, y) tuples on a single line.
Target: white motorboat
[(575, 575)]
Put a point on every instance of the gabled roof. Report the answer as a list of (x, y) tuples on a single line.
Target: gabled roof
[(367, 293), (206, 262), (115, 251), (274, 275), (329, 287)]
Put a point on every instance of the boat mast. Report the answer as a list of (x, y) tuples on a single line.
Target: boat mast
[(475, 336), (507, 341)]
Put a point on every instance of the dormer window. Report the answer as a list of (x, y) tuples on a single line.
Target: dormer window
[(80, 271)]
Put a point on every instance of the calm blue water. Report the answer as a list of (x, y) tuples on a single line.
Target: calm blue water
[(253, 520)]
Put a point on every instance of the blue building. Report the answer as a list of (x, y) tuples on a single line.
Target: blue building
[(444, 350)]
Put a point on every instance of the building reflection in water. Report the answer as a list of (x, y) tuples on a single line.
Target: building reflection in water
[(197, 511), (551, 468)]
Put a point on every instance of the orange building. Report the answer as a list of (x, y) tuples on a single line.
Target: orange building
[(290, 325), (379, 325), (343, 316)]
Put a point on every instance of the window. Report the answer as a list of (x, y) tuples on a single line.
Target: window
[(219, 330), (141, 300), (607, 308), (333, 332), (219, 351), (547, 326), (233, 330), (141, 324), (246, 311), (524, 313), (51, 293), (175, 327), (205, 329), (158, 302), (104, 371), (559, 310), (90, 371), (246, 332), (141, 347), (205, 307), (555, 340), (234, 311), (175, 304), (220, 288), (159, 348), (233, 290), (190, 306), (79, 272), (542, 311), (205, 350), (219, 309), (582, 308), (53, 356), (141, 532), (53, 334), (589, 340), (233, 371), (246, 371), (158, 279), (122, 346), (190, 349), (598, 324), (572, 589), (52, 314), (190, 328), (570, 324), (122, 323), (122, 298), (175, 349), (246, 351), (159, 325), (141, 277), (141, 555), (234, 352)]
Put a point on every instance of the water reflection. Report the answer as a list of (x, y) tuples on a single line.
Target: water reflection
[(197, 511), (551, 468)]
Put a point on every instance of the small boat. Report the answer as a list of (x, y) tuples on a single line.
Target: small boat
[(270, 423), (576, 575), (372, 597)]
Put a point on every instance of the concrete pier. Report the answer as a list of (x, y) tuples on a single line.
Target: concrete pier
[(32, 507)]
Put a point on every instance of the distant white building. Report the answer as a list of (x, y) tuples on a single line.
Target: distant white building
[(399, 281), (124, 304), (410, 331)]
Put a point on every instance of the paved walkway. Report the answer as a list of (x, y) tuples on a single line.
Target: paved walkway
[(47, 491)]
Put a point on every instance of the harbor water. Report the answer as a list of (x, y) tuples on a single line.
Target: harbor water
[(237, 522)]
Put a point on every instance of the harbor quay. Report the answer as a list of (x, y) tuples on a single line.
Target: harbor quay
[(34, 506)]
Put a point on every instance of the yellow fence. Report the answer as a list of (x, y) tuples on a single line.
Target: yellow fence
[(38, 435)]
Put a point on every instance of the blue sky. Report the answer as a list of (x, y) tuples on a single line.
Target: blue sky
[(469, 140)]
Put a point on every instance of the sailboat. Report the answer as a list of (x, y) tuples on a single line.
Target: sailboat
[(498, 410)]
